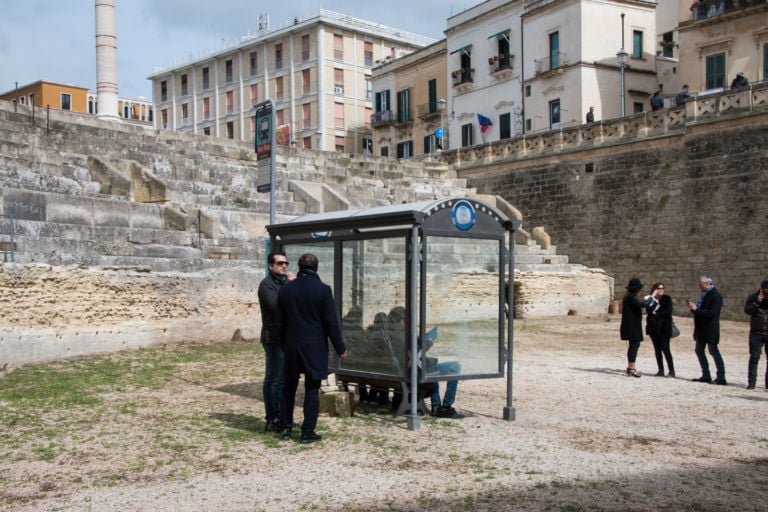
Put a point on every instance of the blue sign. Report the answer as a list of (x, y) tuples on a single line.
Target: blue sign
[(439, 133), (463, 215)]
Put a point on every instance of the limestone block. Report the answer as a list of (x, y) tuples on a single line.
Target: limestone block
[(337, 403)]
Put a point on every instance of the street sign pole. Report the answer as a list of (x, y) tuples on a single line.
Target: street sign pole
[(264, 145)]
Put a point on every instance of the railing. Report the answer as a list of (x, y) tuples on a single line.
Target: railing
[(549, 63), (462, 76), (701, 10), (382, 117), (703, 107), (427, 110)]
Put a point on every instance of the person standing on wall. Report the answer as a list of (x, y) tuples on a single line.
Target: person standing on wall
[(272, 390), (757, 309), (591, 115), (706, 329), (631, 328), (659, 327), (308, 319)]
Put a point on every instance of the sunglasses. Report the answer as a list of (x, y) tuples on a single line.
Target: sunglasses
[(281, 263)]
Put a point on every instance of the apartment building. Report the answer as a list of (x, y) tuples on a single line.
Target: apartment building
[(49, 94), (409, 103), (720, 38), (316, 70)]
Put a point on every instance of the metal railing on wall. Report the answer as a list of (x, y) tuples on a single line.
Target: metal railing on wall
[(7, 238)]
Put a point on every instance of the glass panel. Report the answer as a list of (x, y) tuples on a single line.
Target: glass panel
[(324, 253), (373, 300), (462, 307)]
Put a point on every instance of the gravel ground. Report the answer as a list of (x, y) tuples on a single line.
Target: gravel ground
[(585, 437)]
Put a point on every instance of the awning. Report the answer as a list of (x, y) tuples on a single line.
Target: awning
[(504, 33), (462, 49)]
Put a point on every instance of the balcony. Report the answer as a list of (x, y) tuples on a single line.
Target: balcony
[(382, 118), (427, 111), (404, 118), (462, 76), (551, 65), (501, 62), (706, 9)]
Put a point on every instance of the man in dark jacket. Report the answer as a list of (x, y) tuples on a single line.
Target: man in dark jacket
[(277, 265), (706, 329), (308, 319), (757, 308)]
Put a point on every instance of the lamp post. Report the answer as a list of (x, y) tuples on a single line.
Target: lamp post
[(621, 57), (441, 107)]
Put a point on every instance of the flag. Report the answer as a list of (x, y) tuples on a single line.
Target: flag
[(485, 123)]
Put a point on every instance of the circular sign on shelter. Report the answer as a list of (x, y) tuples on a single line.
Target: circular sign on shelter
[(463, 215)]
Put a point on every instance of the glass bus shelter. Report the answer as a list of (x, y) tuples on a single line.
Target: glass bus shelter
[(437, 271)]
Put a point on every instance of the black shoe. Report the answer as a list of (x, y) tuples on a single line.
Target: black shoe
[(448, 412), (273, 426), (671, 374), (660, 373), (310, 437), (721, 382), (750, 386), (708, 380), (286, 435), (434, 410)]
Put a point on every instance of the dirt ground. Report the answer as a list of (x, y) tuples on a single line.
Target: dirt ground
[(585, 437)]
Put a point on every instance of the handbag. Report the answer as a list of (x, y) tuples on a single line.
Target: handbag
[(675, 331)]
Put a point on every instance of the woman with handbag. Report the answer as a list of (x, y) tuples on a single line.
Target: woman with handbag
[(659, 327)]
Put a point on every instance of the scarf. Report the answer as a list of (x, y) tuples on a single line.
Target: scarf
[(704, 294)]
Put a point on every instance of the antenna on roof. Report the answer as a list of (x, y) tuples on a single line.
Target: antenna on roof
[(263, 22)]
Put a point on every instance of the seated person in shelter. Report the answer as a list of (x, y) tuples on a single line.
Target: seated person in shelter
[(377, 352), (441, 408)]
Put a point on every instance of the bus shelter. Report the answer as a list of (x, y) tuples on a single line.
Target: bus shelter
[(428, 281)]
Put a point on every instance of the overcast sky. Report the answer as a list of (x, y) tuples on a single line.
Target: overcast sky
[(54, 40)]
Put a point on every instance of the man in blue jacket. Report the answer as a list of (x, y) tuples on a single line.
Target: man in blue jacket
[(706, 329), (308, 319)]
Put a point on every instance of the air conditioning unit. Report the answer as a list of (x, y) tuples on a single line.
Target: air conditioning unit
[(338, 89)]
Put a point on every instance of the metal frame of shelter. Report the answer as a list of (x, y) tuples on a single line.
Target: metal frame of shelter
[(465, 218)]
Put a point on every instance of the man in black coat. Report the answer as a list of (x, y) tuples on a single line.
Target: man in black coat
[(308, 319), (756, 307), (706, 329)]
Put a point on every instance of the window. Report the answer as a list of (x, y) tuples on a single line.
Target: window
[(404, 106), (184, 114), (466, 135), (505, 126), (432, 95), (368, 54), (405, 149), (304, 48), (554, 50), (637, 107), (338, 115), (367, 147), (206, 82), (466, 65), (254, 94), (279, 88), (22, 100), (307, 115), (230, 130), (307, 142), (280, 117), (384, 151), (278, 56), (667, 44), (254, 60), (430, 143), (338, 47), (504, 61), (306, 85), (66, 101), (528, 124), (715, 71), (527, 91), (338, 81), (164, 116), (368, 89), (339, 144), (207, 130), (637, 44), (32, 99), (163, 91), (228, 71), (184, 90), (554, 114), (230, 99), (382, 101), (91, 106), (206, 108)]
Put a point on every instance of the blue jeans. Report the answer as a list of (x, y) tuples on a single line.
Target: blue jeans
[(715, 352), (446, 368), (273, 380)]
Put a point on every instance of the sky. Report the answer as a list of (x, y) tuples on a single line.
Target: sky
[(54, 40)]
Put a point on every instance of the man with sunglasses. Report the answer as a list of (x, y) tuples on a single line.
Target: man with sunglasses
[(277, 276)]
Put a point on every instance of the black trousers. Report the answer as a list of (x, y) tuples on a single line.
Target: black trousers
[(634, 346), (311, 401), (662, 351), (757, 343)]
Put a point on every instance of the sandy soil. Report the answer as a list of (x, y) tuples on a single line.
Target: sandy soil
[(585, 437)]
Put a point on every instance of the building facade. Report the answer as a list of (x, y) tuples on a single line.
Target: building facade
[(720, 38), (317, 71), (409, 103), (49, 94)]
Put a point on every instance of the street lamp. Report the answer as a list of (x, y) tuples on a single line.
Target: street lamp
[(621, 57), (441, 107)]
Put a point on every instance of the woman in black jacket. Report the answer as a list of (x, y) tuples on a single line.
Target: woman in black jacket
[(632, 322), (659, 327)]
